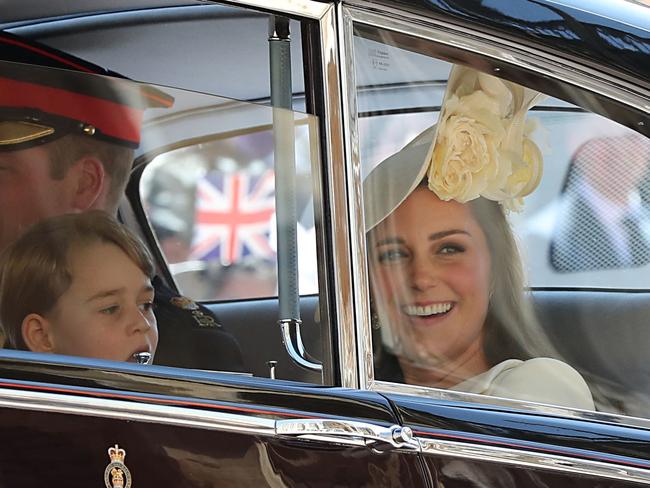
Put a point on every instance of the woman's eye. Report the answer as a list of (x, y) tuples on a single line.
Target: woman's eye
[(112, 310), (391, 255), (451, 249)]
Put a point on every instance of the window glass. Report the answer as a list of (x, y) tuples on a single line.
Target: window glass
[(503, 224), (208, 61), (212, 205), (74, 281)]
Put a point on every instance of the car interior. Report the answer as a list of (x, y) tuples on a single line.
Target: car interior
[(597, 321)]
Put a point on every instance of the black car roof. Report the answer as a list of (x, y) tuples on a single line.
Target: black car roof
[(610, 35)]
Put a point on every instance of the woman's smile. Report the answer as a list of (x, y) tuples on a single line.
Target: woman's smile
[(427, 314)]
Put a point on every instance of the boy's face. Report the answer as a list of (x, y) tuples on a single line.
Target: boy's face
[(107, 311)]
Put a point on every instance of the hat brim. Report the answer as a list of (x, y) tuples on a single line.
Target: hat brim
[(15, 133), (392, 180)]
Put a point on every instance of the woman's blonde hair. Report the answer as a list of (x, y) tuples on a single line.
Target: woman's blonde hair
[(35, 269), (511, 328)]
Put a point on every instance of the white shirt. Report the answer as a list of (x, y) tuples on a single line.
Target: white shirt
[(612, 214)]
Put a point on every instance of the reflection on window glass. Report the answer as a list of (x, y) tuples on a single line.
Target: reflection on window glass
[(212, 208), (476, 189)]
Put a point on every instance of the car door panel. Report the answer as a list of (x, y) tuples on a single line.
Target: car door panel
[(482, 445), (185, 429)]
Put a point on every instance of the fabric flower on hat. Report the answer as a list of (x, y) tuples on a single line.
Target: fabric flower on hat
[(482, 145)]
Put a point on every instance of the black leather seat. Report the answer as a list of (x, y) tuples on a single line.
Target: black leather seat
[(605, 335)]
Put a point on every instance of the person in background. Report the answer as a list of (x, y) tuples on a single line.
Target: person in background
[(604, 221)]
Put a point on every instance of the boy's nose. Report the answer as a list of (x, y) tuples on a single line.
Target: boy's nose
[(139, 322)]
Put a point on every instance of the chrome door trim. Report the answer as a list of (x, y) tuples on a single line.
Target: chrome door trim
[(479, 400), (535, 460), (142, 412)]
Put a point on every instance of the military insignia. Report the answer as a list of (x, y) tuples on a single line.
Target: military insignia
[(184, 303), (204, 320), (200, 318), (116, 474)]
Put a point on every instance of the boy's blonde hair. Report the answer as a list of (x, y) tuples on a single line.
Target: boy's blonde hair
[(35, 269)]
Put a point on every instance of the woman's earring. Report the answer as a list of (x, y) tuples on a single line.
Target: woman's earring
[(374, 321), (374, 316)]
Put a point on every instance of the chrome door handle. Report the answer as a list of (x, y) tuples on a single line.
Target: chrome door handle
[(349, 432)]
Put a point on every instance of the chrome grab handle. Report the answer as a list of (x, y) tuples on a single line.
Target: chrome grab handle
[(296, 352), (284, 158), (349, 432)]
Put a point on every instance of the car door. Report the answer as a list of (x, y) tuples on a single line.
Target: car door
[(597, 317), (61, 416)]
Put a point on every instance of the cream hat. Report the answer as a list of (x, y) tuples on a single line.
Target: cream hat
[(480, 147)]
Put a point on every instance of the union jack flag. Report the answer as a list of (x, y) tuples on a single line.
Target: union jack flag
[(233, 216)]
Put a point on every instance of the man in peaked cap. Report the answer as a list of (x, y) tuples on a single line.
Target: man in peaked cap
[(66, 145)]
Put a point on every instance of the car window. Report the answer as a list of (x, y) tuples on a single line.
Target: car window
[(247, 258), (496, 254), (202, 162), (212, 205)]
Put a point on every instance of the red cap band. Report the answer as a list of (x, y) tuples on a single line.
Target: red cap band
[(110, 118)]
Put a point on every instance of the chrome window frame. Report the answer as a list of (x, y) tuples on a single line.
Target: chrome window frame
[(338, 285), (331, 178), (340, 180), (492, 47)]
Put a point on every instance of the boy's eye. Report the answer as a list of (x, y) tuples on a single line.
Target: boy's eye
[(146, 306), (112, 310)]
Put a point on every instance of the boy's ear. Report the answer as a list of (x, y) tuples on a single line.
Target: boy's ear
[(87, 179), (37, 333)]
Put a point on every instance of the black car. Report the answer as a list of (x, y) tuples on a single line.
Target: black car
[(247, 187)]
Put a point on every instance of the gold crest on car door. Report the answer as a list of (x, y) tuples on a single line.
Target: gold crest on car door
[(116, 474)]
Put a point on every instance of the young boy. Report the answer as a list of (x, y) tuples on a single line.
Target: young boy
[(79, 284)]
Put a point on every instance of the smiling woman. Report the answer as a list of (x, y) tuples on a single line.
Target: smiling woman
[(433, 276), (449, 294), (446, 275)]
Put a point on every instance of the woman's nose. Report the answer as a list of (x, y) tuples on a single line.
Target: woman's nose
[(423, 274)]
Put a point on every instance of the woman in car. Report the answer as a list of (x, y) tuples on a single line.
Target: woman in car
[(446, 275)]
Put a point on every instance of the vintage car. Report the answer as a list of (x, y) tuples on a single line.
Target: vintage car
[(248, 189)]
